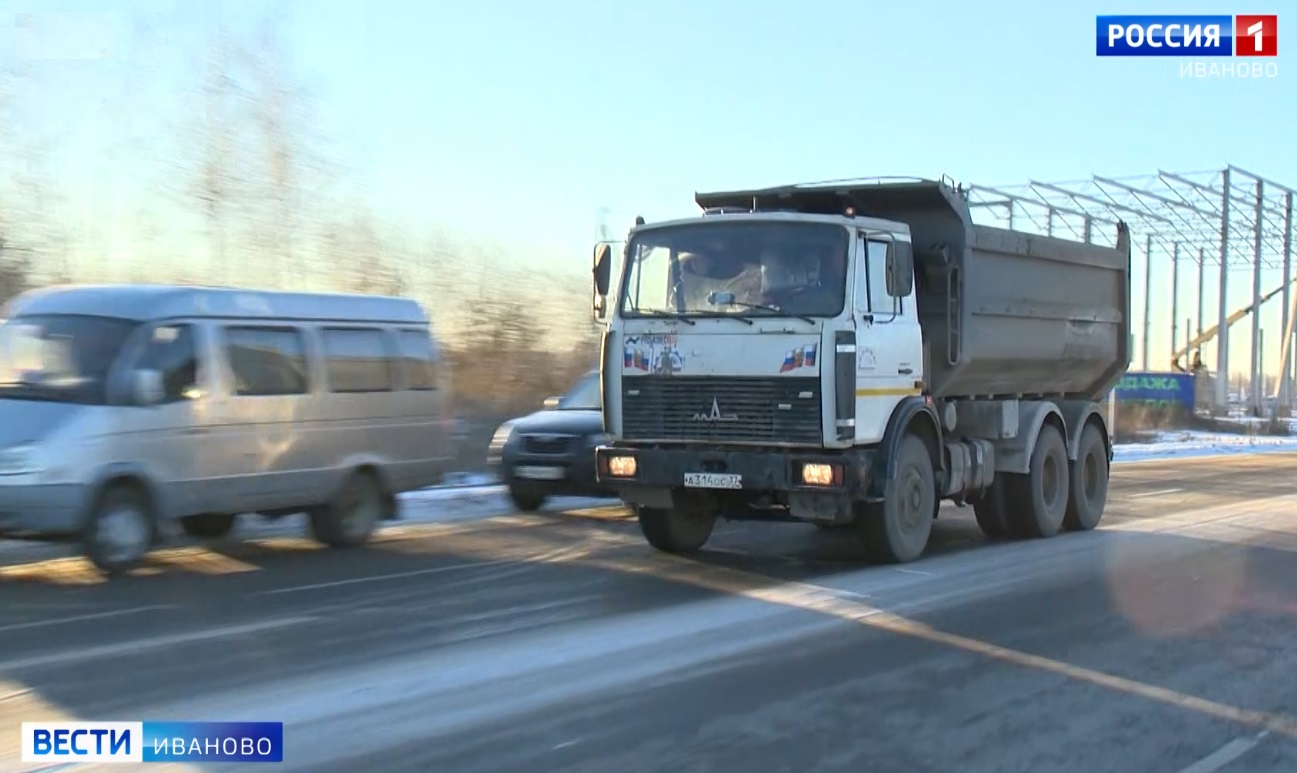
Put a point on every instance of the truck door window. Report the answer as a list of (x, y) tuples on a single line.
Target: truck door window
[(881, 305)]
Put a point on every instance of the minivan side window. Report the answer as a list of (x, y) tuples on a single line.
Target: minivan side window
[(170, 350), (267, 360), (418, 362), (356, 360)]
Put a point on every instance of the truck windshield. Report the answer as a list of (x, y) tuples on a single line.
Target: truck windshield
[(750, 268), (59, 357)]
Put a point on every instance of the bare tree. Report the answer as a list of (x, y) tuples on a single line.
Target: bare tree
[(217, 178), (15, 271)]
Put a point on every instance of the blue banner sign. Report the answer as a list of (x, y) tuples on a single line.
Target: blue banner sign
[(1162, 389)]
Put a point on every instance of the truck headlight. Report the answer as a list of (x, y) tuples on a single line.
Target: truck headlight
[(622, 466), (19, 460)]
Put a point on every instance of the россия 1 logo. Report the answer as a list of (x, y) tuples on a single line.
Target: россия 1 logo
[(1242, 35)]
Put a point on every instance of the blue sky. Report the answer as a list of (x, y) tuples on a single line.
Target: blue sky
[(519, 120)]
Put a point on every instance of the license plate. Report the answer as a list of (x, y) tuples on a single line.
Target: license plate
[(540, 473), (713, 480)]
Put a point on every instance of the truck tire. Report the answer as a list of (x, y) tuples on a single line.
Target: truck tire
[(675, 531), (1089, 482), (897, 530), (992, 513), (1038, 500)]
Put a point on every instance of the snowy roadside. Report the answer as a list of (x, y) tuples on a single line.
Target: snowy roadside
[(1187, 444)]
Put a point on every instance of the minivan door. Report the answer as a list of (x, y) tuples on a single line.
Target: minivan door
[(167, 439)]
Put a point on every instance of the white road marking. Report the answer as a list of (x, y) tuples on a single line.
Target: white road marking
[(1225, 754), (156, 642), (82, 618), (1158, 493)]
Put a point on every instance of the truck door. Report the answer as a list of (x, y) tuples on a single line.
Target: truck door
[(889, 344)]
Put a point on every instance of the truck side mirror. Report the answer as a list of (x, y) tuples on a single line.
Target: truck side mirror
[(900, 269), (602, 272)]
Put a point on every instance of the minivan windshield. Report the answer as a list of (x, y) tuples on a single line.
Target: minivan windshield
[(585, 396), (744, 268), (60, 357)]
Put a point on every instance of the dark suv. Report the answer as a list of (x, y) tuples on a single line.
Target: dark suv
[(551, 452)]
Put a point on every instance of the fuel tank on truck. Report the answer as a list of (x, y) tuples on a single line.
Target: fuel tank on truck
[(1004, 313)]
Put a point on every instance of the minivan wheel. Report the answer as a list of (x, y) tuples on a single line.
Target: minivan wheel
[(208, 525), (351, 518), (120, 530)]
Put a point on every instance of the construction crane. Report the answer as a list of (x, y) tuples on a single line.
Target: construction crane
[(1211, 332)]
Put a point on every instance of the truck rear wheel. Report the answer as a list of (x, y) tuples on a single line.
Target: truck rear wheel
[(897, 530), (1038, 500), (1089, 489), (675, 530), (991, 512)]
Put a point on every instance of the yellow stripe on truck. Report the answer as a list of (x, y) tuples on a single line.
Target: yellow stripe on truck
[(888, 392)]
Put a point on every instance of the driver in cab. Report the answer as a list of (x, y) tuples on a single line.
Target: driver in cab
[(803, 283)]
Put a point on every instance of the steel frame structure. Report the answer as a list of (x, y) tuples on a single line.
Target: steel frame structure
[(1230, 218)]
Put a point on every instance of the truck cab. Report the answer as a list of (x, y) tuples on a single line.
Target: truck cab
[(771, 362)]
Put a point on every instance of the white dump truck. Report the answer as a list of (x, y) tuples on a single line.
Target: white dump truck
[(851, 355)]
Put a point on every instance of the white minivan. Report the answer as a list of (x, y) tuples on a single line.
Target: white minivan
[(124, 408)]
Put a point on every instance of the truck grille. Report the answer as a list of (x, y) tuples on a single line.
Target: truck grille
[(752, 409)]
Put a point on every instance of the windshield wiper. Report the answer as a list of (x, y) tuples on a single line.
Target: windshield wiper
[(727, 299), (659, 313)]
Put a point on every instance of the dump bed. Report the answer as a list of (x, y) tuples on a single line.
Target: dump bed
[(1004, 313)]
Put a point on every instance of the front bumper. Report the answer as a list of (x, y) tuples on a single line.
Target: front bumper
[(760, 471), (41, 509), (569, 474)]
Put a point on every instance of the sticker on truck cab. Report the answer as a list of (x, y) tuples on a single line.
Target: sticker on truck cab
[(801, 357), (654, 353)]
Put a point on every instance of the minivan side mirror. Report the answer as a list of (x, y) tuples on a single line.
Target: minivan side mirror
[(900, 269), (602, 275), (146, 387)]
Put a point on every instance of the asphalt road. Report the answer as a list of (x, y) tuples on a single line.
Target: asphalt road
[(561, 642)]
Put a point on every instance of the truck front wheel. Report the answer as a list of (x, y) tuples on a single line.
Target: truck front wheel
[(675, 530), (897, 530)]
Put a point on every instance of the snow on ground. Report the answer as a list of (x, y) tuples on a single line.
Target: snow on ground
[(1182, 444)]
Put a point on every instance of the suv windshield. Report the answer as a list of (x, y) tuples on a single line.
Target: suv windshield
[(768, 268), (60, 357), (585, 396)]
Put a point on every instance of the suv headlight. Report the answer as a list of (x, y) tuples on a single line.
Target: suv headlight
[(18, 460), (501, 436)]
